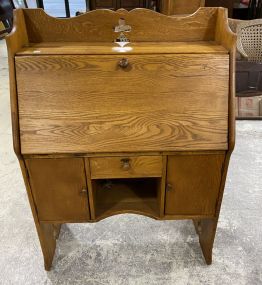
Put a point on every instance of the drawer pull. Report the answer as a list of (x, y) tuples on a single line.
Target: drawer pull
[(125, 164), (123, 63)]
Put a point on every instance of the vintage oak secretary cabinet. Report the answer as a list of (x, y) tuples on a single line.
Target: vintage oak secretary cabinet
[(100, 129)]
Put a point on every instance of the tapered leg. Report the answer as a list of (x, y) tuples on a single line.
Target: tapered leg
[(48, 233), (206, 230)]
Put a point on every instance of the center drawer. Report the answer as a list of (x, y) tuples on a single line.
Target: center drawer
[(126, 167)]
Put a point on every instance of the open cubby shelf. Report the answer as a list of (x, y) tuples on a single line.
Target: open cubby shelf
[(137, 195)]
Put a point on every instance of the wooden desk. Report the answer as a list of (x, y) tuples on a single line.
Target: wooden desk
[(100, 130)]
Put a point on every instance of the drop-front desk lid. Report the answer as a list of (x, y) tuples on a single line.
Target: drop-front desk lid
[(78, 98)]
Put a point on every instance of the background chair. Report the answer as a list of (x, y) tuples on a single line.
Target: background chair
[(6, 15), (249, 40), (248, 68)]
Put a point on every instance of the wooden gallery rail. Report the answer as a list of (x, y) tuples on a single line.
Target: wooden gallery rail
[(100, 129)]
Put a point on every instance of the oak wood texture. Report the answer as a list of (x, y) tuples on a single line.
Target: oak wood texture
[(59, 189), (223, 34), (206, 230), (227, 39), (208, 226), (178, 104), (47, 233), (193, 184), (126, 167), (81, 104), (112, 154), (178, 7), (15, 41), (62, 48), (151, 27)]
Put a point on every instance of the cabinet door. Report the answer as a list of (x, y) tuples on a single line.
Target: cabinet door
[(59, 189), (193, 184)]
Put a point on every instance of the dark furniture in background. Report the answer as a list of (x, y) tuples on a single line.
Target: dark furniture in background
[(255, 9), (240, 12), (249, 89), (249, 79), (126, 4), (6, 15), (107, 4), (229, 4)]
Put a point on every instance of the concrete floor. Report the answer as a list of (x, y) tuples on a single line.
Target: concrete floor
[(130, 249)]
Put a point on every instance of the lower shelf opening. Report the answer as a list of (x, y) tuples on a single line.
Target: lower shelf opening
[(116, 196)]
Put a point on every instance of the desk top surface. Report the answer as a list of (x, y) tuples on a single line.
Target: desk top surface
[(87, 48)]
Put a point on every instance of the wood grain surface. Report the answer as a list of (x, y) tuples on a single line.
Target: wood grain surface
[(224, 35), (47, 233), (194, 184), (176, 96), (206, 230), (65, 48), (112, 167), (57, 186), (16, 40), (158, 103), (97, 26)]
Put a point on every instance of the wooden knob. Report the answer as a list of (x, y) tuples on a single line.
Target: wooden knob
[(123, 63), (169, 187), (125, 162)]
